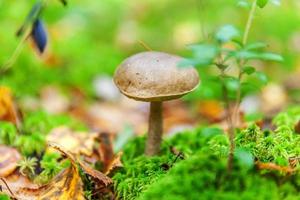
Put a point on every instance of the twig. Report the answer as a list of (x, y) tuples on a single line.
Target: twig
[(11, 193), (143, 44), (274, 167)]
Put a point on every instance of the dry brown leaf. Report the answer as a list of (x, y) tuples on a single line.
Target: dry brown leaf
[(96, 175), (294, 161), (8, 110), (9, 158), (15, 181), (66, 185), (105, 150), (115, 164), (75, 142)]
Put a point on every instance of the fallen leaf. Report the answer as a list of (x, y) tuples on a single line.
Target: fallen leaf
[(9, 158), (95, 174), (114, 165), (8, 110), (98, 176), (66, 185), (12, 184), (105, 150), (75, 142), (294, 161)]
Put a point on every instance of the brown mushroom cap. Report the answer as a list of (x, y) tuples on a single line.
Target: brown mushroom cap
[(155, 76)]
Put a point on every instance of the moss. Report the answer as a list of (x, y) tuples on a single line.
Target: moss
[(50, 165), (4, 197), (138, 175), (140, 172), (204, 176), (31, 139), (203, 172), (272, 146)]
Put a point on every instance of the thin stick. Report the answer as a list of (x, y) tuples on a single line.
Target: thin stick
[(143, 44), (12, 194)]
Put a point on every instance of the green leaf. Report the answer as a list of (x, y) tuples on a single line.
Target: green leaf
[(253, 55), (248, 70), (262, 3), (203, 55), (255, 46), (262, 77), (271, 57), (243, 4), (247, 55), (211, 131), (227, 33), (244, 157), (232, 83)]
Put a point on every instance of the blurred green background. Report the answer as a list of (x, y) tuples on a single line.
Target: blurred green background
[(90, 38)]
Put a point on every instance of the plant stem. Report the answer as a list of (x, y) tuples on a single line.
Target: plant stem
[(242, 62), (231, 127), (13, 58), (249, 22), (155, 129)]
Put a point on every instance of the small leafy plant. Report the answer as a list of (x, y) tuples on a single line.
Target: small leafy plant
[(32, 27), (228, 50)]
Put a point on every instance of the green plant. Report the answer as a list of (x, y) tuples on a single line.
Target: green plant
[(51, 165), (8, 133), (31, 138), (238, 55), (278, 146), (32, 143), (4, 197), (27, 167)]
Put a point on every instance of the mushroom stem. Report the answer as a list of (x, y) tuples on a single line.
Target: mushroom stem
[(155, 129)]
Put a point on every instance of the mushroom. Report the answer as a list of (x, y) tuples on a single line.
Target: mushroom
[(154, 77)]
